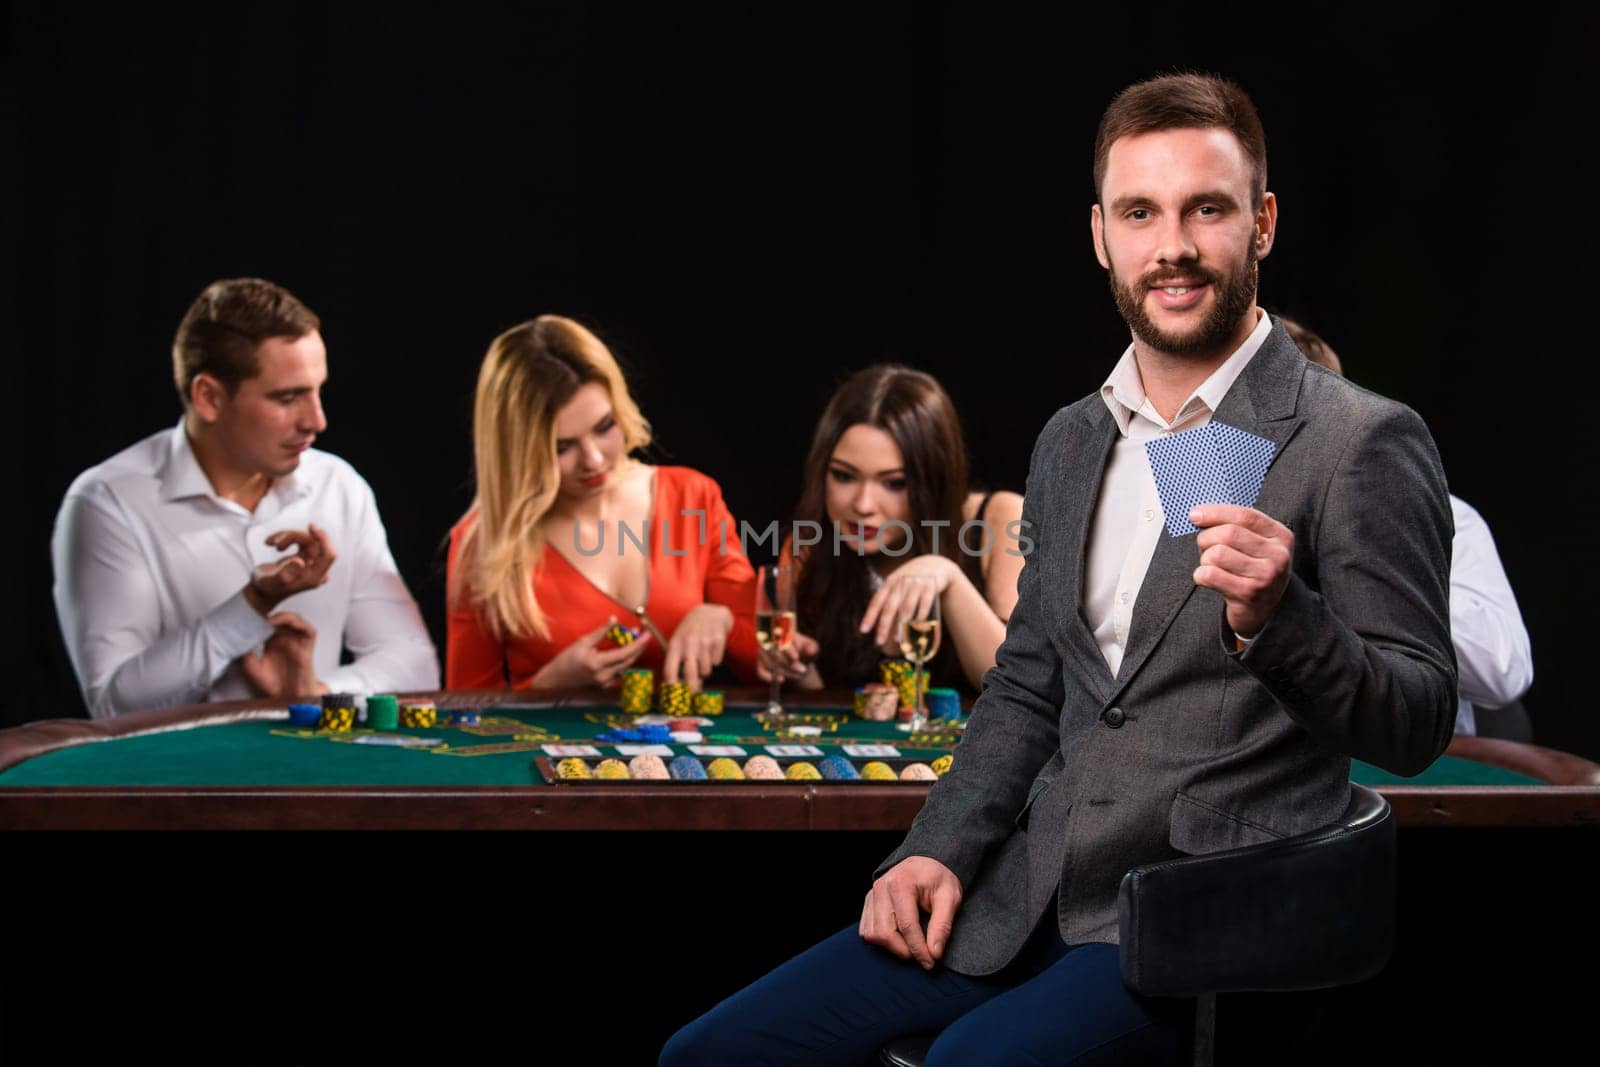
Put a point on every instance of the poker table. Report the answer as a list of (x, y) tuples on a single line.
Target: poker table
[(241, 765), (593, 947)]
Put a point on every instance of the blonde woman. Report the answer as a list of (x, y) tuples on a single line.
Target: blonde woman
[(569, 533)]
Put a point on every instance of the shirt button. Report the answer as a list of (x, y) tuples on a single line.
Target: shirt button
[(1124, 598), (1114, 718), (1149, 515)]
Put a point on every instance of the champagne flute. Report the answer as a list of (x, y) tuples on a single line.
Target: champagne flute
[(919, 643), (775, 622)]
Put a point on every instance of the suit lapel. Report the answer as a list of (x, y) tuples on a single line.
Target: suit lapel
[(1262, 401), (1084, 465)]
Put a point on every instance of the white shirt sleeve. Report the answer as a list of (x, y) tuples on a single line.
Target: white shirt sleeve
[(383, 632), (1493, 654), (109, 609)]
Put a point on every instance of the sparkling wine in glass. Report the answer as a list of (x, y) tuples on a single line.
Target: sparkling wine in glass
[(919, 643), (775, 622)]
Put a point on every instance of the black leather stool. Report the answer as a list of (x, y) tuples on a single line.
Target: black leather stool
[(1308, 912)]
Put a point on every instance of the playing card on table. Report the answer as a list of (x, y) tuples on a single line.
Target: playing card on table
[(1215, 464)]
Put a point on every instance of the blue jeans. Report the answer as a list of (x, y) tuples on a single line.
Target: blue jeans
[(842, 1000)]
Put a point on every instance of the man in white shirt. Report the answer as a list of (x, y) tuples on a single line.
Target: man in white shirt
[(1160, 692), (1493, 654), (171, 581)]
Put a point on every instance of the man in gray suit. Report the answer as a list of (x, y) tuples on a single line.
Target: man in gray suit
[(1156, 694)]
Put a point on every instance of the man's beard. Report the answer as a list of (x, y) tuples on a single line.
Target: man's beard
[(1235, 294)]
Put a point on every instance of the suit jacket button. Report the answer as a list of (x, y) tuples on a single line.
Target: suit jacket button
[(1114, 717)]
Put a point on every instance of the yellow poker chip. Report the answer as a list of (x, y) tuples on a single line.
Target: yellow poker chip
[(418, 716), (891, 671), (573, 768), (878, 771), (942, 764), (802, 772), (725, 768), (675, 698), (612, 769), (337, 719)]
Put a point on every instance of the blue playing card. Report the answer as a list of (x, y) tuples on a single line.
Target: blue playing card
[(1248, 456), (1215, 464)]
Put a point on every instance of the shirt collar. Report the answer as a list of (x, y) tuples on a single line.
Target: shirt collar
[(182, 476), (1124, 396)]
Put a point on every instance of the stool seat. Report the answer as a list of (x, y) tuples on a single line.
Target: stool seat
[(1308, 912)]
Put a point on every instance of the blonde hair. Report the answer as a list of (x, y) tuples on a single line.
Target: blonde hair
[(530, 373)]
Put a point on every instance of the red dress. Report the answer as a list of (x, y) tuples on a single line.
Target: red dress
[(706, 573)]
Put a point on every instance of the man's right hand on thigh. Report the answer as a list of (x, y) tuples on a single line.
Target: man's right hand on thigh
[(892, 915)]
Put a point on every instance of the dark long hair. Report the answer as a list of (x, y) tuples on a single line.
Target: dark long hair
[(833, 590)]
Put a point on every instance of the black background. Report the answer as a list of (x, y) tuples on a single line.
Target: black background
[(747, 202)]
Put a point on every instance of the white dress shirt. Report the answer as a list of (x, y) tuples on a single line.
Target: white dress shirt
[(1493, 654), (1128, 520), (150, 568)]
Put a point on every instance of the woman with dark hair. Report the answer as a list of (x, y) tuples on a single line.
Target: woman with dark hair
[(886, 482)]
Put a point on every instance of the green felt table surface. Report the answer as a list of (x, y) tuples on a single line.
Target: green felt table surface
[(501, 751)]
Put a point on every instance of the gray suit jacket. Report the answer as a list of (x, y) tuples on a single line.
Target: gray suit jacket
[(1067, 776)]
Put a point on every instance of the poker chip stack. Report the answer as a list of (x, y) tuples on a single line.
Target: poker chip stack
[(944, 703), (611, 769), (708, 703), (686, 767), (304, 714), (620, 635), (879, 771), (802, 772), (647, 765), (877, 702), (638, 689), (724, 768), (573, 768), (418, 714), (674, 698), (764, 768), (338, 712), (902, 675), (383, 712), (918, 772), (837, 768)]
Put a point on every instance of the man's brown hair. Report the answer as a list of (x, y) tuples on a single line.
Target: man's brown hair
[(1184, 102), (225, 325)]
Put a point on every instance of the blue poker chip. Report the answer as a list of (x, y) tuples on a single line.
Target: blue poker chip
[(686, 767), (837, 768), (304, 714), (619, 735), (655, 735)]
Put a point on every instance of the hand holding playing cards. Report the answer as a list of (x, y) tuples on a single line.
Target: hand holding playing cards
[(1245, 555)]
